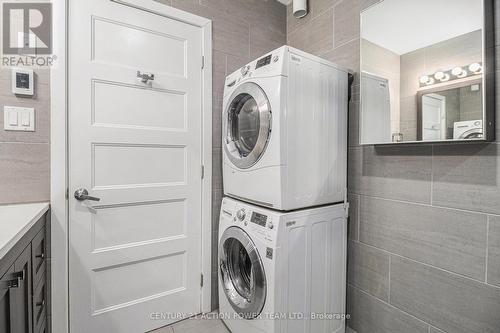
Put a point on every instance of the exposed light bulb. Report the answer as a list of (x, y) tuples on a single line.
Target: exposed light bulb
[(431, 81), (424, 79), (475, 68), (445, 78), (439, 76), (459, 72)]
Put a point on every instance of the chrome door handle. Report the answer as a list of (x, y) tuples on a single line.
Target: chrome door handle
[(82, 194), (145, 77)]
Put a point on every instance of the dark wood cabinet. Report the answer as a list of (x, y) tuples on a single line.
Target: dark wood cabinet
[(6, 282), (23, 283), (21, 312)]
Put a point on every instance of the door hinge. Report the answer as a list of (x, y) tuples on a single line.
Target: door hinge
[(67, 193), (202, 62), (346, 204), (201, 280), (202, 172)]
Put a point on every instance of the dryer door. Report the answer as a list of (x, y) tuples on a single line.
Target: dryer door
[(246, 125), (242, 273)]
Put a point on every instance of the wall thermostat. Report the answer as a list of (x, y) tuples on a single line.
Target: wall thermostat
[(23, 81)]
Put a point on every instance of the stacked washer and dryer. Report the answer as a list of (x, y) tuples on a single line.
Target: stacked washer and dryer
[(282, 230)]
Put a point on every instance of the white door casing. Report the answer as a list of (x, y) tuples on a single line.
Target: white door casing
[(138, 147)]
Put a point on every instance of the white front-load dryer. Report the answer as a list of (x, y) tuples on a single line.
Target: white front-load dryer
[(282, 272), (284, 131)]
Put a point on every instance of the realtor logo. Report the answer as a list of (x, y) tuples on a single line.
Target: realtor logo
[(27, 28)]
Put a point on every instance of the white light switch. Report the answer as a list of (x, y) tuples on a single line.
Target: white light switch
[(12, 118), (25, 118), (18, 119)]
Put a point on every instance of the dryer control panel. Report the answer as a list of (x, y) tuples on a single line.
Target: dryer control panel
[(271, 64)]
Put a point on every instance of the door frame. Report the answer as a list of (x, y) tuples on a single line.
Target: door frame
[(59, 171)]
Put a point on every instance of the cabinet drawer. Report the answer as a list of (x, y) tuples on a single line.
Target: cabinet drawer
[(39, 305), (39, 256)]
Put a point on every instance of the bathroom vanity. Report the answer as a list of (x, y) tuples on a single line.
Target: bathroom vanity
[(24, 273)]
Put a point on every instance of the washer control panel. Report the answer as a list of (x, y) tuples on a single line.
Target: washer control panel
[(259, 219), (263, 61), (252, 218)]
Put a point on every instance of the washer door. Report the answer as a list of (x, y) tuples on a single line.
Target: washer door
[(472, 134), (247, 125), (242, 273)]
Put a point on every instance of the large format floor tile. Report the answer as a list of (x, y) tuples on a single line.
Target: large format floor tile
[(195, 325)]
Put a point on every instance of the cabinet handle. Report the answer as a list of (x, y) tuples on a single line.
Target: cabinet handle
[(42, 303), (145, 77), (41, 256)]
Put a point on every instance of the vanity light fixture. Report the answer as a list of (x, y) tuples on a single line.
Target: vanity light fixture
[(456, 73)]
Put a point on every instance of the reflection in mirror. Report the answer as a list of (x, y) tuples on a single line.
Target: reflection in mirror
[(422, 66), (453, 112)]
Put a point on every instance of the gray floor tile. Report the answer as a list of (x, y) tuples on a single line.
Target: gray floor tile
[(195, 325)]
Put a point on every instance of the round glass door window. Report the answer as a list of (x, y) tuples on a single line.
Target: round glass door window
[(242, 273), (247, 125)]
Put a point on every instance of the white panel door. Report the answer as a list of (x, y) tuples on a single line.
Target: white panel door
[(136, 253), (433, 117)]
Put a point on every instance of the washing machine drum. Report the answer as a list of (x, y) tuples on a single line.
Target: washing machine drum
[(242, 273), (472, 134), (246, 125)]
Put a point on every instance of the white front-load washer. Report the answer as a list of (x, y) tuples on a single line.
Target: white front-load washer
[(282, 272), (466, 130), (284, 131)]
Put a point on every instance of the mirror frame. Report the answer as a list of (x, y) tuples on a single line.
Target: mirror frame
[(489, 84)]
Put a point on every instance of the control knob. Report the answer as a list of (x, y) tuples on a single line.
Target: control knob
[(244, 70), (241, 214)]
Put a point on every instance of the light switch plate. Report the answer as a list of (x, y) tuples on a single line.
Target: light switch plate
[(18, 119)]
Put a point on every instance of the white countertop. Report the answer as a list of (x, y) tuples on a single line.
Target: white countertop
[(16, 220)]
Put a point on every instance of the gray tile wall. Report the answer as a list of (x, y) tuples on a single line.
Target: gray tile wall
[(424, 229), (25, 156), (242, 31)]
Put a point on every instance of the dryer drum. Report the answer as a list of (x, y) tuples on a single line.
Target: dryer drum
[(247, 125), (242, 273)]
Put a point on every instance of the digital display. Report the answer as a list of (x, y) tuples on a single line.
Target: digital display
[(263, 61), (259, 219), (22, 80)]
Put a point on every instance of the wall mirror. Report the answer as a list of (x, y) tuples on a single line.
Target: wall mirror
[(427, 71)]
